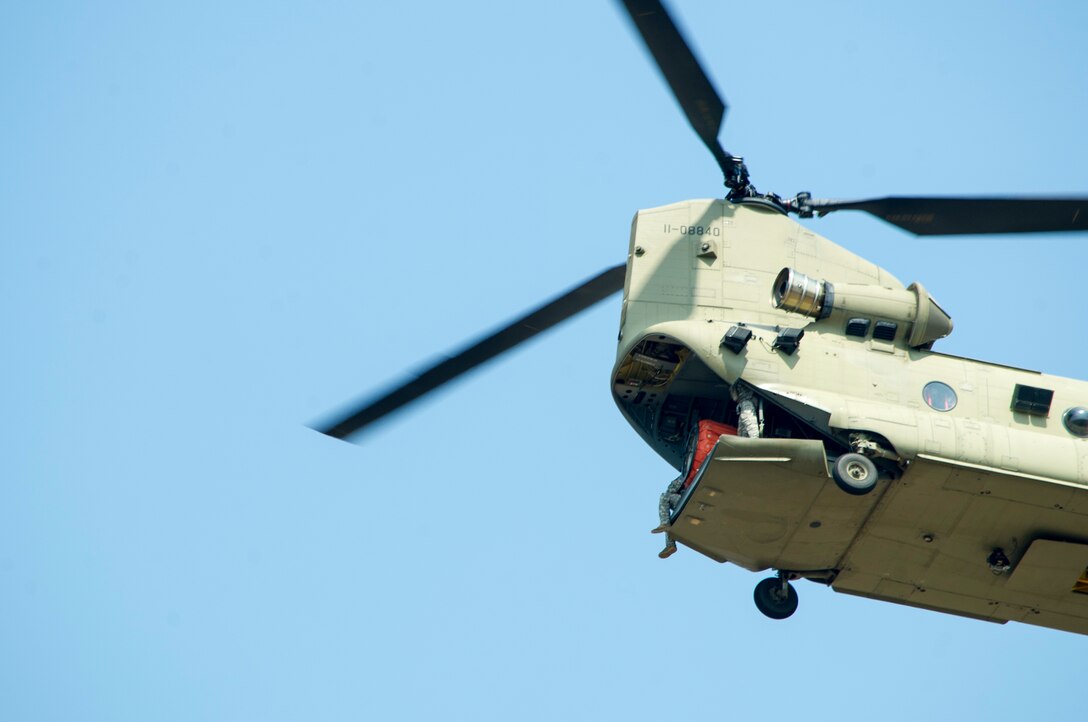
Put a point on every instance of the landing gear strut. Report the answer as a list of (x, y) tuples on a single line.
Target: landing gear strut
[(776, 597)]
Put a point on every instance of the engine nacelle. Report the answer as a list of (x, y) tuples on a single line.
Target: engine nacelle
[(797, 293)]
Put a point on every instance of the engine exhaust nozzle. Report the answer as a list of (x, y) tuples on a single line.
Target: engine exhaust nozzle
[(797, 293)]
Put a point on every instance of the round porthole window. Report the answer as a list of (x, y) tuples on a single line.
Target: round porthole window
[(939, 396), (1076, 421)]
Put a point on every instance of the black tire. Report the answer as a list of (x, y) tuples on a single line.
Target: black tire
[(855, 474), (772, 602)]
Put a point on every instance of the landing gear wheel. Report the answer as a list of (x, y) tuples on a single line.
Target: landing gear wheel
[(855, 474), (776, 598)]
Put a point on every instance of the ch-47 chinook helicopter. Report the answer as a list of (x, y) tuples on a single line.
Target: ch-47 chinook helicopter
[(843, 448)]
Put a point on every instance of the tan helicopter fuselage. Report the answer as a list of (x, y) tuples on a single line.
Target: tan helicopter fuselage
[(990, 465)]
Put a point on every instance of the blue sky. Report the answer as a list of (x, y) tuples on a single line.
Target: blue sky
[(220, 222)]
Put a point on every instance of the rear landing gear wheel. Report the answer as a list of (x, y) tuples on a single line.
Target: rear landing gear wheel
[(776, 598), (855, 474)]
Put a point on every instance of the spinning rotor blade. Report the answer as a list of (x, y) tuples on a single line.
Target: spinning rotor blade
[(559, 309), (690, 84), (947, 216)]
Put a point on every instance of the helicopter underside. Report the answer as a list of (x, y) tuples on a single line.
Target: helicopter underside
[(922, 541), (929, 539)]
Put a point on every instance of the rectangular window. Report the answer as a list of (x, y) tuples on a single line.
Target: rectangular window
[(1031, 400)]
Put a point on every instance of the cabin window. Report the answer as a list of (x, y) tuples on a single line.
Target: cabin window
[(1076, 421), (939, 396), (1031, 400)]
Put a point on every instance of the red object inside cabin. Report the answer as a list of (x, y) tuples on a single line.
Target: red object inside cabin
[(704, 441)]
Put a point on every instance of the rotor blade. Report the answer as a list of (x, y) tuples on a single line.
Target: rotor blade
[(948, 216), (559, 309), (690, 84)]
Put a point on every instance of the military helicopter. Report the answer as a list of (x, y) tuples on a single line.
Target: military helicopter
[(795, 388)]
